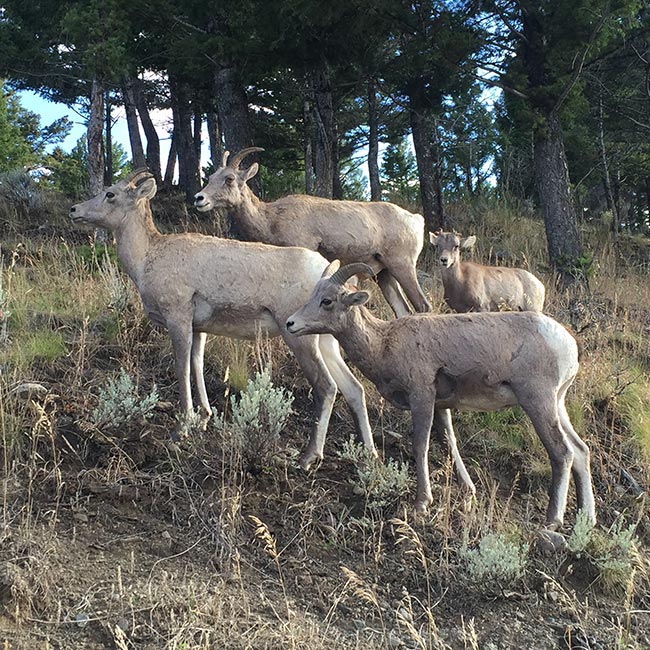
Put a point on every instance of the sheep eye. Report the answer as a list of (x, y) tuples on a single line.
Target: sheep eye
[(325, 302), (456, 247), (230, 180), (110, 195)]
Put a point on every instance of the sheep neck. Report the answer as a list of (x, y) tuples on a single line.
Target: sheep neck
[(363, 340), (135, 237), (452, 276), (251, 217)]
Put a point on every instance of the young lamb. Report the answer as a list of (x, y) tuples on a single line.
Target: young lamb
[(475, 287), (384, 236), (194, 284), (485, 362)]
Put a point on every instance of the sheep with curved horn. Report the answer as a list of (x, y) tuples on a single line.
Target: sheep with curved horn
[(427, 363), (195, 285), (384, 236)]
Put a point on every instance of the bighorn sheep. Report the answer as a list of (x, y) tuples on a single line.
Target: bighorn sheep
[(487, 361), (384, 236), (475, 287), (194, 284)]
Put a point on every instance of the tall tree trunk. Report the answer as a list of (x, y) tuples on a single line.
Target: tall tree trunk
[(234, 116), (95, 138), (324, 121), (188, 166), (137, 150), (153, 141), (554, 191), (308, 134), (108, 167), (171, 163), (214, 135), (337, 184), (198, 127), (607, 183), (437, 175), (425, 162), (373, 143)]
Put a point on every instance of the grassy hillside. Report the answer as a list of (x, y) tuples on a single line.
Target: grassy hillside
[(112, 536)]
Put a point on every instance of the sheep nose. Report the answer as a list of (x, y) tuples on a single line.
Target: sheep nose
[(443, 261), (289, 324), (198, 198), (73, 209)]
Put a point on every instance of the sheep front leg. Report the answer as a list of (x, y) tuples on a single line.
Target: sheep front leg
[(311, 362), (198, 351), (422, 416)]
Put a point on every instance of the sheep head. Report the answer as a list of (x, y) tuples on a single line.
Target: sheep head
[(449, 245), (329, 305), (226, 186), (112, 205)]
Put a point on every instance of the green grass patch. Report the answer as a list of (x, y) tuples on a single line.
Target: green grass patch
[(633, 406), (44, 345)]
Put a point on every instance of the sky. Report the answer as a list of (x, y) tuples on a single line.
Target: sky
[(50, 111)]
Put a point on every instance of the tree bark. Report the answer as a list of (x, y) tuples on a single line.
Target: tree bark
[(425, 162), (153, 141), (95, 138), (214, 135), (554, 190), (198, 127), (373, 143), (308, 136), (234, 116), (188, 166), (323, 111), (171, 163), (137, 150), (108, 167)]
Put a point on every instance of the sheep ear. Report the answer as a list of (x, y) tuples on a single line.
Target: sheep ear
[(146, 189), (468, 242), (250, 172), (331, 269), (433, 238), (356, 298)]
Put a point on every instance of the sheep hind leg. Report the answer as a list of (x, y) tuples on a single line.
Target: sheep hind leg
[(393, 293), (444, 429), (543, 413), (422, 416), (307, 353), (198, 351), (350, 388), (407, 279), (581, 467), (182, 336)]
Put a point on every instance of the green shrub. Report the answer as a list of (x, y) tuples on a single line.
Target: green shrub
[(258, 416), (119, 402), (381, 483), (495, 565)]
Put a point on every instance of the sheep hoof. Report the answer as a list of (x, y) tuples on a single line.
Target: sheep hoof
[(308, 458), (421, 506), (550, 542)]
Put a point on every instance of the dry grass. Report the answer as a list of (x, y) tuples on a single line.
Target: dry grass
[(119, 538)]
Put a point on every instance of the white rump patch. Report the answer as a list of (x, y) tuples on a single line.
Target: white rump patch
[(561, 342)]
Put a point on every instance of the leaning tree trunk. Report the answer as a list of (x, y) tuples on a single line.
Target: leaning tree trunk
[(133, 126), (324, 121), (171, 163), (233, 113), (554, 190), (153, 141), (373, 144), (95, 138), (426, 172)]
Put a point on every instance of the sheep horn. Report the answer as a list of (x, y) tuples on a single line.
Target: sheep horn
[(345, 273), (224, 158), (138, 176), (235, 161)]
